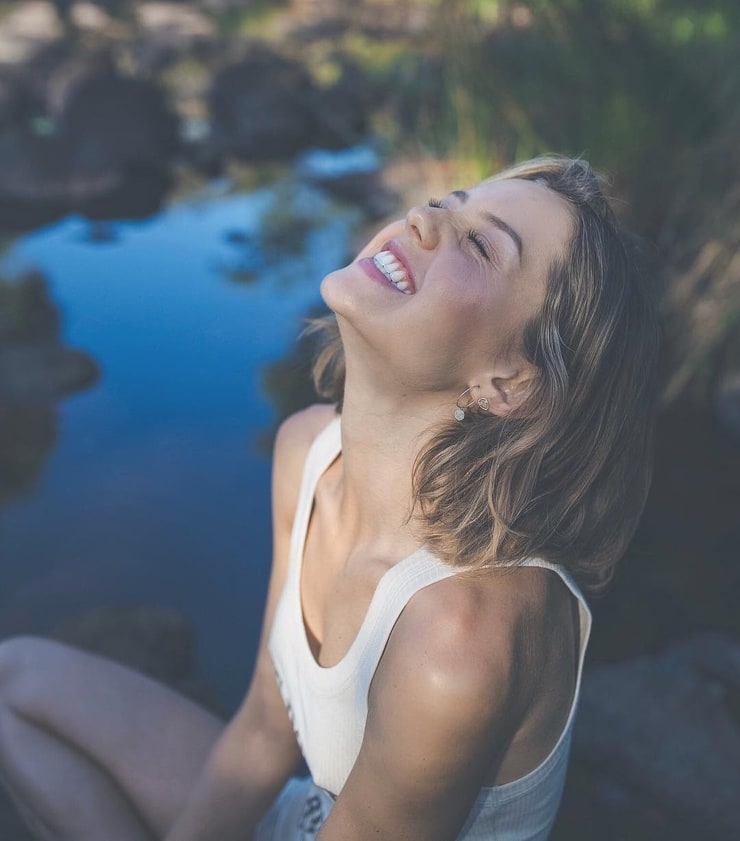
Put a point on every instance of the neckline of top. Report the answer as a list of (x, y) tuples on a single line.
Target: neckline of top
[(329, 445), (323, 451)]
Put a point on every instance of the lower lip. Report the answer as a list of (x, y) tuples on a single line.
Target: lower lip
[(367, 264)]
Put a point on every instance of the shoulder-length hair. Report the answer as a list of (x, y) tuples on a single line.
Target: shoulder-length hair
[(566, 476)]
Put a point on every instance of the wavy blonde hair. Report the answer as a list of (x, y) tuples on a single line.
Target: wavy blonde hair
[(566, 476)]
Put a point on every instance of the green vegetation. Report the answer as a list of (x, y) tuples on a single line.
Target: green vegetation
[(617, 80), (647, 90), (248, 20)]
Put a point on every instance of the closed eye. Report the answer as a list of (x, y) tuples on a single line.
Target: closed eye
[(476, 238), (473, 236)]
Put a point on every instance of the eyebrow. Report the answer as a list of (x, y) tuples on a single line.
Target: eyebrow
[(463, 196)]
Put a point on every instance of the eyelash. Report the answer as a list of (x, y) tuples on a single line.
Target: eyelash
[(473, 236), (476, 239)]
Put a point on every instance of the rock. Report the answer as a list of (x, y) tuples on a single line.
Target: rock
[(727, 403), (14, 104), (90, 17), (666, 729), (261, 107), (342, 110), (153, 640), (267, 107), (26, 29), (106, 152), (112, 123), (173, 20), (168, 32)]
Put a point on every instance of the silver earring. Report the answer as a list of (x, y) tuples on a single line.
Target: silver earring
[(460, 410)]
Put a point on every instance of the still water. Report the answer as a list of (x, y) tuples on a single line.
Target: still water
[(157, 491)]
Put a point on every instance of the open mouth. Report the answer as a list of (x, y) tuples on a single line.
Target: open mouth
[(392, 268)]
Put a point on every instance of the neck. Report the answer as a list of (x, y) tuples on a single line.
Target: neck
[(382, 434)]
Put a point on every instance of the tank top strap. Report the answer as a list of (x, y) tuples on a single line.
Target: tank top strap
[(392, 593), (324, 448), (584, 613)]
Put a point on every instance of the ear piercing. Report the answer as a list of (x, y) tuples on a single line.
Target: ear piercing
[(460, 410)]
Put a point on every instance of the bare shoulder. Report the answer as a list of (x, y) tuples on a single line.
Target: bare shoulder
[(448, 695), (292, 443), (470, 639), (299, 429)]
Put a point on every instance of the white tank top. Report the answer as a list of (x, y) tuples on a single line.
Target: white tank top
[(328, 705)]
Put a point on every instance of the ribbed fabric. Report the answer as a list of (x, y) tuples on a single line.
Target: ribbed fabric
[(328, 706)]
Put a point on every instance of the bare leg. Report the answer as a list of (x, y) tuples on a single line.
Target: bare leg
[(62, 795), (90, 749)]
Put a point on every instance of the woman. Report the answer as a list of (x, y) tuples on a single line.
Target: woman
[(494, 362)]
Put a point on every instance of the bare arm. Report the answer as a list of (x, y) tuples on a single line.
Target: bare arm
[(443, 705), (258, 750)]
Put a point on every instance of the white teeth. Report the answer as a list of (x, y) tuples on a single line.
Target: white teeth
[(388, 260), (393, 270)]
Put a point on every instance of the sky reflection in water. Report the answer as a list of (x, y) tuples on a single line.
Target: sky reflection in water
[(156, 492)]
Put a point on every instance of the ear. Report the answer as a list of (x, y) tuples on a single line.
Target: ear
[(505, 394)]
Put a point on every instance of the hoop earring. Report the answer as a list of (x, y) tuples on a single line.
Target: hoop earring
[(460, 410)]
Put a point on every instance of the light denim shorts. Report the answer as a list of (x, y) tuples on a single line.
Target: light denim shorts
[(298, 813)]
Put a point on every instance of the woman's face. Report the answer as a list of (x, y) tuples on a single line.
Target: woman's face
[(475, 270)]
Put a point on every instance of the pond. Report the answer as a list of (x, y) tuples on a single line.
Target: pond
[(157, 489)]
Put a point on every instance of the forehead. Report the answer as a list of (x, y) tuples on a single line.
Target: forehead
[(542, 218)]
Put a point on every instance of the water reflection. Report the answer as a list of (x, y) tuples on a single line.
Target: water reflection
[(156, 491), (290, 215), (27, 436), (36, 369)]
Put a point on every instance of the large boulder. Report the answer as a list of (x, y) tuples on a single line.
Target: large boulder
[(156, 641), (261, 107), (267, 107), (662, 734), (85, 139), (113, 123)]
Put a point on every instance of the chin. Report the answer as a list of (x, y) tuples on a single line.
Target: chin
[(338, 291)]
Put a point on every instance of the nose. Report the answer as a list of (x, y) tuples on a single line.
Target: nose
[(423, 225)]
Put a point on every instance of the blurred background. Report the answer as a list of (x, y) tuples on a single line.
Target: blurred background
[(176, 178)]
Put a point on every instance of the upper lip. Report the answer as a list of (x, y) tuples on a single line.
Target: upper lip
[(395, 250)]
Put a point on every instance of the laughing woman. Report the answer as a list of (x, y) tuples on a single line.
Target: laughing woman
[(485, 458)]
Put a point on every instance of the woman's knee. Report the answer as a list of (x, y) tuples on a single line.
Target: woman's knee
[(22, 660)]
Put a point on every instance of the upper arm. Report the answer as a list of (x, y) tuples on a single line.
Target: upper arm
[(443, 705)]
